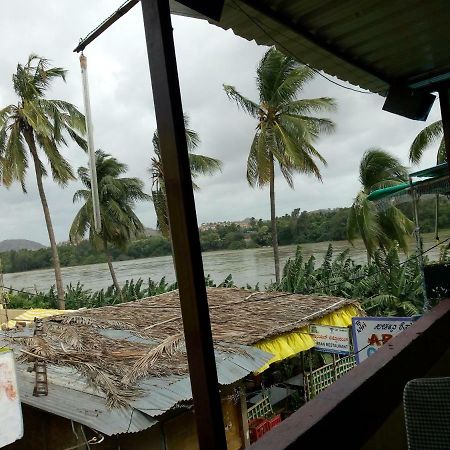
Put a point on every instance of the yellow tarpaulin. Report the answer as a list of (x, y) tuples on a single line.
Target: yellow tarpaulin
[(29, 315), (289, 344)]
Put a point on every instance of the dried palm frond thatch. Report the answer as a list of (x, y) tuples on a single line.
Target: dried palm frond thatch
[(114, 347)]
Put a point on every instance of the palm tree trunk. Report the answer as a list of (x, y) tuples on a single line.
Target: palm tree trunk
[(273, 219), (113, 274), (29, 138)]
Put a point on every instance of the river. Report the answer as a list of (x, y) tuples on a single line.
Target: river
[(247, 266)]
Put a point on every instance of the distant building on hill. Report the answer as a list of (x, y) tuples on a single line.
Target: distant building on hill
[(245, 223)]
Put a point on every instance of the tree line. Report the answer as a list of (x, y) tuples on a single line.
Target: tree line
[(295, 228)]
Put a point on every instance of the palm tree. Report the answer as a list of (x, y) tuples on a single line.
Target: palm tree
[(117, 196), (199, 164), (426, 138), (285, 132), (378, 228), (43, 125)]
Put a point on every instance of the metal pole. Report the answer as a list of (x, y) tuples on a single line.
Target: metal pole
[(183, 224), (91, 148), (426, 302), (444, 101)]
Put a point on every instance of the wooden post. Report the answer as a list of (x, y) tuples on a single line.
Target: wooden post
[(244, 416), (334, 367), (183, 224), (444, 101)]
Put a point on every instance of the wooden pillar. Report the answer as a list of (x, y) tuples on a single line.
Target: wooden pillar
[(444, 101), (183, 224), (244, 416)]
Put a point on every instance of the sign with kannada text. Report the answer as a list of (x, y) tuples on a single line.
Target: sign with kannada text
[(330, 339), (11, 427), (370, 333)]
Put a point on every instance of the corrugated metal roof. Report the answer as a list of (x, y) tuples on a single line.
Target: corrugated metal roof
[(369, 44), (71, 396)]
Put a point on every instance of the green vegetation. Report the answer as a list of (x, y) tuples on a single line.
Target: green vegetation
[(285, 133), (78, 297), (117, 198), (199, 164), (385, 286), (44, 125), (425, 139), (379, 229)]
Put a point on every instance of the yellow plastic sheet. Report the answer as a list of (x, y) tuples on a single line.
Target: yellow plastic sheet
[(29, 315), (289, 344)]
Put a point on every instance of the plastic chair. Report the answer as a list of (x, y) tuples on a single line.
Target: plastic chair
[(426, 403)]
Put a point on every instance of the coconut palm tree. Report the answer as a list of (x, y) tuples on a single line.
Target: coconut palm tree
[(199, 164), (378, 228), (117, 196), (285, 131), (37, 127), (426, 138)]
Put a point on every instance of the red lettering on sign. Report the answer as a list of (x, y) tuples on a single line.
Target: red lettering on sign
[(374, 340)]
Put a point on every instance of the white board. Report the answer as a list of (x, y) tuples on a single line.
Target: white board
[(11, 427), (370, 333), (330, 339)]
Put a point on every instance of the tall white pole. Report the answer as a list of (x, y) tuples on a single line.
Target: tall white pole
[(90, 141)]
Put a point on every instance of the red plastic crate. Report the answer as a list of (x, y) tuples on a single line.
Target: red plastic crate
[(274, 421), (257, 428)]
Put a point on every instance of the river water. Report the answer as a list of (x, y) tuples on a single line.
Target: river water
[(247, 266)]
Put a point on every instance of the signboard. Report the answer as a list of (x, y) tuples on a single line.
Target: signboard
[(370, 333), (330, 339), (11, 427)]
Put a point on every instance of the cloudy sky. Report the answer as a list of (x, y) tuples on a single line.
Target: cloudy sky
[(124, 116)]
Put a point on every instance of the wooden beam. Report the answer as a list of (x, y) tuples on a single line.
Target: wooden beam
[(183, 224), (444, 101)]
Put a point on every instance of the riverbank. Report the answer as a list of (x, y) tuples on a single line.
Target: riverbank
[(386, 286)]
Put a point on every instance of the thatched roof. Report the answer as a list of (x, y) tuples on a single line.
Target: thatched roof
[(116, 346), (237, 315)]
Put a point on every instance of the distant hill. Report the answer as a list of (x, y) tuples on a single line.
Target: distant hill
[(19, 244)]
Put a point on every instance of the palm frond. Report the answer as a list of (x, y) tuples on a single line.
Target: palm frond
[(204, 165), (308, 105), (427, 137), (247, 105), (378, 169)]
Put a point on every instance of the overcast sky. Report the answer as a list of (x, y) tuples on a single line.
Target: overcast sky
[(124, 116)]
